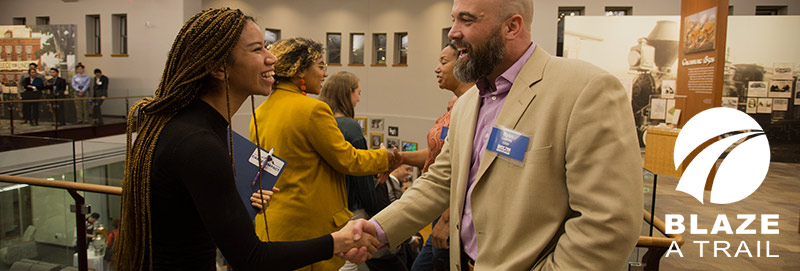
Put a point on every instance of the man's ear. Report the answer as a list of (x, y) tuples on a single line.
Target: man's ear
[(513, 27), (217, 71)]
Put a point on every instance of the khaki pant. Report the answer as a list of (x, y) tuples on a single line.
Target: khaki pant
[(82, 108)]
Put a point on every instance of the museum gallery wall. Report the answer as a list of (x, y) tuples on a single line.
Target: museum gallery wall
[(761, 63)]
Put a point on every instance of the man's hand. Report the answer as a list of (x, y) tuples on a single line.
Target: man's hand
[(262, 196), (350, 244), (441, 232)]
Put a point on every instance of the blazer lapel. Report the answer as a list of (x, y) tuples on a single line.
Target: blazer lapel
[(467, 118), (517, 101)]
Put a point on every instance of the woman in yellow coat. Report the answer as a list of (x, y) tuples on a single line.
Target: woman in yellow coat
[(303, 132)]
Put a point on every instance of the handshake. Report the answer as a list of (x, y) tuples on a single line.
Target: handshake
[(352, 244)]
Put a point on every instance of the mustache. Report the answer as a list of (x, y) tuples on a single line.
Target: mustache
[(462, 44)]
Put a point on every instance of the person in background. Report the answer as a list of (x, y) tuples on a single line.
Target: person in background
[(91, 222), (99, 91), (111, 242), (342, 92), (303, 131), (27, 74), (396, 259), (57, 86), (33, 85), (435, 255), (81, 82)]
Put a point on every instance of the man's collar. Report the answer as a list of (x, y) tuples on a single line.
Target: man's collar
[(509, 75)]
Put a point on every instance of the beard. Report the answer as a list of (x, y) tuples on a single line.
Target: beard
[(481, 60)]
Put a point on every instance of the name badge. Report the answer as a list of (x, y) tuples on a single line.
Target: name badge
[(270, 163), (445, 129), (508, 143)]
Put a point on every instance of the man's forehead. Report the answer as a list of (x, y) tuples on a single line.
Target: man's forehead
[(473, 7)]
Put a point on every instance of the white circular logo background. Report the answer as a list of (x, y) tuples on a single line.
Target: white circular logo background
[(743, 169)]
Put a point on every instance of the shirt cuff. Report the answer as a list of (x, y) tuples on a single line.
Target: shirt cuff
[(381, 234)]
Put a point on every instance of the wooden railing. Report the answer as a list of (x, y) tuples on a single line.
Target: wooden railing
[(657, 246), (72, 99), (55, 109), (80, 209)]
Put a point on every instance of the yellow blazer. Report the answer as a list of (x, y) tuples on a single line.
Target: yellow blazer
[(313, 197), (574, 203)]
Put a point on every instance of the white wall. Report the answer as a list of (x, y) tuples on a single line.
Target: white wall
[(408, 94), (407, 97)]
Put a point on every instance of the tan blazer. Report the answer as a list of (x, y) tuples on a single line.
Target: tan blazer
[(574, 204)]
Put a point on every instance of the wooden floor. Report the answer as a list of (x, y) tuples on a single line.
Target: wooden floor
[(778, 194)]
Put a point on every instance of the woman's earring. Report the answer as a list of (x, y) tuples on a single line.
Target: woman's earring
[(303, 85)]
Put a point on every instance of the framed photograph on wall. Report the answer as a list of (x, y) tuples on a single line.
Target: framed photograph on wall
[(757, 89), (377, 124), (375, 140), (730, 102), (752, 105), (668, 89), (393, 142), (780, 104), (764, 105), (670, 109), (362, 121), (409, 146), (797, 93), (658, 109), (394, 131), (782, 70), (780, 89), (700, 30)]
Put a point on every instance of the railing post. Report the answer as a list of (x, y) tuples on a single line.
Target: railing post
[(127, 109), (653, 203), (11, 116), (55, 116), (80, 209)]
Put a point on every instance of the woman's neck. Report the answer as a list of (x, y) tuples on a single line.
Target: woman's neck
[(462, 88), (216, 99)]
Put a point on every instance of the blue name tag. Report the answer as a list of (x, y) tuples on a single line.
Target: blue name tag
[(508, 143), (444, 132)]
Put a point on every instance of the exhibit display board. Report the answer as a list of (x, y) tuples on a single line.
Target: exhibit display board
[(643, 52), (701, 55)]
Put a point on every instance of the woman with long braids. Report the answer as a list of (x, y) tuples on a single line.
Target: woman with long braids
[(302, 130), (179, 200)]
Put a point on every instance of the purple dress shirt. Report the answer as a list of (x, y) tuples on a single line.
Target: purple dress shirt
[(491, 103)]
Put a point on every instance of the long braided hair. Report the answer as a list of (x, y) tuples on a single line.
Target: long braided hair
[(205, 42)]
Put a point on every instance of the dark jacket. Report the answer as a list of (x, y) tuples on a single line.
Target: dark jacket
[(58, 86), (100, 89)]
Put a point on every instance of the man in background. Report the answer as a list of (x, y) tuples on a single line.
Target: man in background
[(100, 90)]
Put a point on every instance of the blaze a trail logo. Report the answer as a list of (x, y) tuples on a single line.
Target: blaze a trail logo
[(741, 172), (743, 169)]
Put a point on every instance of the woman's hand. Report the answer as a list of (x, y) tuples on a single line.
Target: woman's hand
[(395, 160), (347, 247), (441, 232), (262, 196)]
